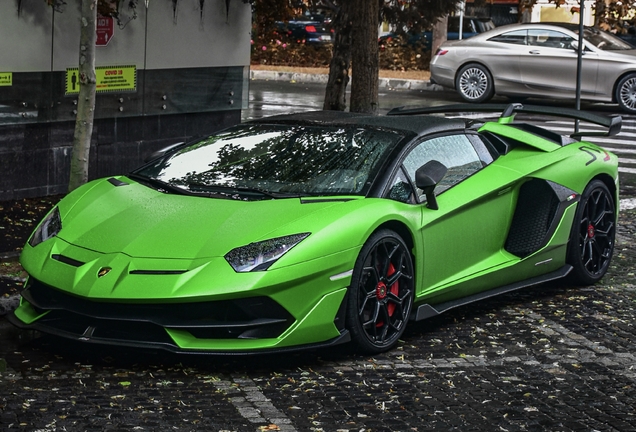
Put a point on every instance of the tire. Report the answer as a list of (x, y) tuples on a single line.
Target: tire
[(381, 294), (474, 83), (626, 93), (592, 240)]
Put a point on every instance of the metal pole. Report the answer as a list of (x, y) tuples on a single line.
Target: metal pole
[(461, 19), (579, 61)]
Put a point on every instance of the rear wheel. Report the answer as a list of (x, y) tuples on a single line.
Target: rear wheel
[(626, 93), (592, 240), (474, 83), (381, 293)]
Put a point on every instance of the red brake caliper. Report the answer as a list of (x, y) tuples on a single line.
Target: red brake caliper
[(381, 292)]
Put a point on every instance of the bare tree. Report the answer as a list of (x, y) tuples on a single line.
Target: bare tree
[(335, 92), (86, 98), (365, 57)]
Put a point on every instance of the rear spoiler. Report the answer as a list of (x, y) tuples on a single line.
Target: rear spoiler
[(612, 123)]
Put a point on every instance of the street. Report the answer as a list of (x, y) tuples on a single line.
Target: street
[(553, 357)]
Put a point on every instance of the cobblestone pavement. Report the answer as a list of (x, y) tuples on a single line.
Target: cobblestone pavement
[(550, 358)]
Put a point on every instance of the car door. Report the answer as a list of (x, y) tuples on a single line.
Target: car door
[(549, 65), (502, 57), (466, 235)]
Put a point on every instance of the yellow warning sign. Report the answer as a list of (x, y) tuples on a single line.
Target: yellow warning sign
[(6, 78), (114, 79)]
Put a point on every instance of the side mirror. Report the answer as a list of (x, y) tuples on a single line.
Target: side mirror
[(575, 46), (427, 177), (162, 151)]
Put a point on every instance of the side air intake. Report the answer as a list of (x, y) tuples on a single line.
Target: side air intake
[(539, 208)]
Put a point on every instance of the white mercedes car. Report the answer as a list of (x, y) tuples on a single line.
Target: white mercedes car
[(538, 60)]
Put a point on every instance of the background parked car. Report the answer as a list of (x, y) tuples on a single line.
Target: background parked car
[(471, 26), (538, 60), (310, 30)]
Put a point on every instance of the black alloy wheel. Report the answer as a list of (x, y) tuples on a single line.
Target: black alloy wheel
[(593, 231), (381, 294)]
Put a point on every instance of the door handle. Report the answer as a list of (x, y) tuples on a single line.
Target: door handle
[(535, 52)]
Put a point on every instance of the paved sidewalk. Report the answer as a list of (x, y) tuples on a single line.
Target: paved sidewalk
[(385, 83)]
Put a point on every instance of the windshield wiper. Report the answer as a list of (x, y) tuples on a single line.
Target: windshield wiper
[(159, 185), (237, 192)]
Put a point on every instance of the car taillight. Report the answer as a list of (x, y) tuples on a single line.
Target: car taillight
[(310, 29), (441, 52)]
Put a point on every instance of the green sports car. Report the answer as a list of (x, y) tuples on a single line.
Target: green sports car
[(314, 229)]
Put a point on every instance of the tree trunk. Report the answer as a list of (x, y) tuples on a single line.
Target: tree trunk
[(365, 56), (335, 93), (525, 10), (440, 34), (599, 11), (86, 98)]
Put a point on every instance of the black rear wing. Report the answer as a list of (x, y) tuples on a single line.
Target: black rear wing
[(612, 123)]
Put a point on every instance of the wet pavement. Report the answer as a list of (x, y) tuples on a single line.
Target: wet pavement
[(551, 358)]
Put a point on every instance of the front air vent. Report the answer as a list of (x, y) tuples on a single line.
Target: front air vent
[(116, 182), (157, 272), (144, 321), (67, 260)]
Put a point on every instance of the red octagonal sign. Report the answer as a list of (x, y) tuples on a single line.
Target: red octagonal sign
[(105, 30)]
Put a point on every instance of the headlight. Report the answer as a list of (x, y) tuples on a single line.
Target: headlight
[(49, 227), (260, 256)]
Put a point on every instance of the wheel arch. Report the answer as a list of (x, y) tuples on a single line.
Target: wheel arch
[(617, 80), (476, 62), (402, 230), (407, 235), (609, 182)]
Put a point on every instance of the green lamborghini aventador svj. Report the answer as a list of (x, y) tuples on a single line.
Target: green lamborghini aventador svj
[(314, 229)]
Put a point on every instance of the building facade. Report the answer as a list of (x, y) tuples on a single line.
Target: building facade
[(168, 71)]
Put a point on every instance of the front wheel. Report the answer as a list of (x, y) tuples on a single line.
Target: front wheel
[(381, 293), (592, 239), (626, 93), (474, 83)]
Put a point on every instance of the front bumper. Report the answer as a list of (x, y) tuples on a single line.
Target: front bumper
[(203, 307), (239, 326)]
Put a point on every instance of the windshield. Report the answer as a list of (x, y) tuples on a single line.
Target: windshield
[(603, 40), (277, 160)]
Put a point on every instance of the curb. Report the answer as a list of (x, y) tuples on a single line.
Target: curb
[(10, 256), (384, 83), (9, 304)]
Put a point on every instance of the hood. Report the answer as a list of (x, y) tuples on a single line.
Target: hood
[(141, 222), (625, 55)]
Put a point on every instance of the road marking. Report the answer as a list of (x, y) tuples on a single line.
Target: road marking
[(628, 203), (252, 404), (579, 350)]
